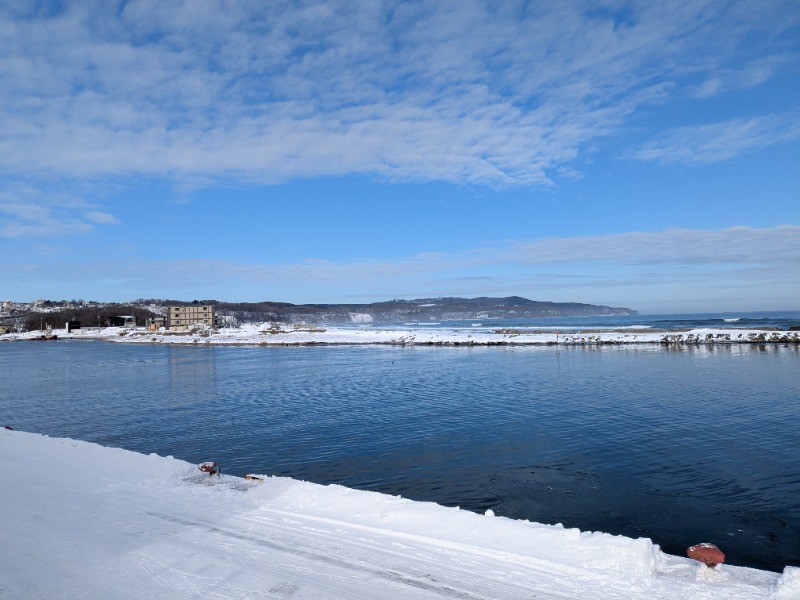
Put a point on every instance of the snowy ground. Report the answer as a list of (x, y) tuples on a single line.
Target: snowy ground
[(83, 521), (269, 335)]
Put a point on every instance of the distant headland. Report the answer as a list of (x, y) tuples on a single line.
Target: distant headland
[(55, 313), (421, 309)]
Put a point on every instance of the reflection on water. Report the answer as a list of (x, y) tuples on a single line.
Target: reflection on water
[(191, 377), (680, 444)]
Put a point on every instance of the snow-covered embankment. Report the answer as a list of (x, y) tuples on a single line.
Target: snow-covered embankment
[(273, 335), (83, 521)]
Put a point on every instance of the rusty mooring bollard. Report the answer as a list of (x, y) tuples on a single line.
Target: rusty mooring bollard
[(211, 468), (707, 554)]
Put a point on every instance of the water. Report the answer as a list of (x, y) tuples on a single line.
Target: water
[(742, 320), (678, 445)]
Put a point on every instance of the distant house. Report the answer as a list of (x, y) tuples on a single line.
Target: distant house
[(122, 321), (156, 323), (183, 318), (226, 321)]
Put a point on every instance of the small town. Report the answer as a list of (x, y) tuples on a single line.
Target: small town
[(76, 315), (174, 315)]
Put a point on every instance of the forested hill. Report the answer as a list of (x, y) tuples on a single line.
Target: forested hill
[(57, 313), (422, 309)]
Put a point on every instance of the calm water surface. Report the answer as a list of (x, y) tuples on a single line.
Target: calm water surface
[(679, 445)]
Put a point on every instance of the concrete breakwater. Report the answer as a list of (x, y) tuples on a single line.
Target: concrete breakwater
[(265, 336), (778, 337)]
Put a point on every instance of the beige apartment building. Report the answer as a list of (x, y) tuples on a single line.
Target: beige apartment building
[(182, 318)]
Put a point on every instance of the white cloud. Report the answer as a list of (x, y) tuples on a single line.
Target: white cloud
[(667, 266), (28, 211), (452, 91), (100, 217), (718, 142), (748, 76), (735, 245)]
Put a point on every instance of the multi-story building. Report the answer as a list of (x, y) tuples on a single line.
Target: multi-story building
[(182, 318)]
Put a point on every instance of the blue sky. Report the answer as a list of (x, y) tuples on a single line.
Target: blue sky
[(639, 154)]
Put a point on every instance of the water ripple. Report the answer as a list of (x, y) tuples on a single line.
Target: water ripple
[(677, 445)]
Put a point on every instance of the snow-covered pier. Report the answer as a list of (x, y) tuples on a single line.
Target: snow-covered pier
[(271, 335), (85, 521)]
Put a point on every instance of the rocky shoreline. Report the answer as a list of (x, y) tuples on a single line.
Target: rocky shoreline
[(268, 335)]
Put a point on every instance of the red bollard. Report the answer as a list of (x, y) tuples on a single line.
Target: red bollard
[(211, 468), (707, 554)]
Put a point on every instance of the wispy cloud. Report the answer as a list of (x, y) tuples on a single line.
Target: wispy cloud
[(749, 75), (28, 211), (717, 142), (473, 92), (735, 245), (592, 268)]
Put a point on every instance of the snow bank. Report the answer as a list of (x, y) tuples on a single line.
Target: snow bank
[(85, 521), (289, 335)]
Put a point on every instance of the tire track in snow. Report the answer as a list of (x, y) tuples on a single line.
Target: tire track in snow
[(328, 553)]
